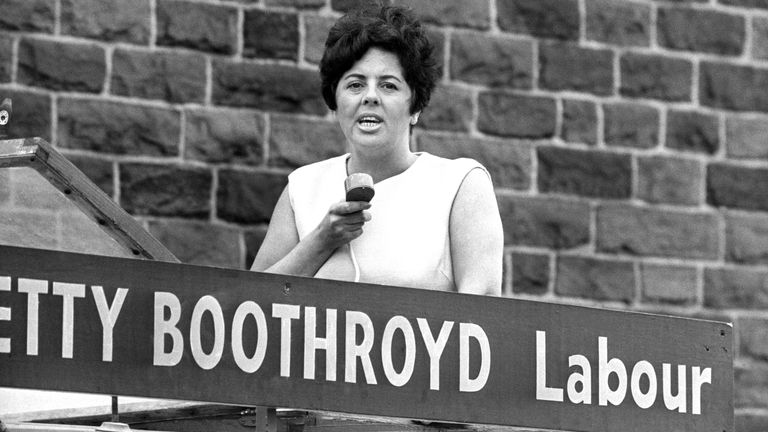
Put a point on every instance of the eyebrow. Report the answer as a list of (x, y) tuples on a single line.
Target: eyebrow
[(382, 77)]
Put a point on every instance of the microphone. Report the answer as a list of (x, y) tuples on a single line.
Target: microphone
[(359, 187)]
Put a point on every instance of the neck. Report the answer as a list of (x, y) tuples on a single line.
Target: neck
[(380, 167)]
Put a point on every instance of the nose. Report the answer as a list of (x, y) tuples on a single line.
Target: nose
[(371, 96)]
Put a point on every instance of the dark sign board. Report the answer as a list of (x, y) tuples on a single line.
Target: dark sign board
[(141, 328)]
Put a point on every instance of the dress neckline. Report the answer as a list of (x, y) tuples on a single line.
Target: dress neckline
[(420, 155)]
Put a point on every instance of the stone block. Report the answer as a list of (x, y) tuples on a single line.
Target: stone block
[(530, 273), (669, 180), (296, 141), (6, 57), (165, 190), (61, 66), (692, 132), (316, 30), (735, 288), (201, 26), (247, 197), (507, 161), (569, 67), (516, 115), (300, 4), (111, 20), (746, 238), (668, 284), (624, 24), (625, 229), (579, 121), (555, 19), (715, 32), (750, 383), (199, 242), (655, 77), (550, 223), (752, 336), (737, 186), (28, 15), (595, 279), (746, 136), (733, 87), (267, 87), (271, 35), (101, 172), (492, 61), (224, 136), (253, 240), (631, 125), (458, 13), (118, 128), (347, 5), (450, 109), (760, 37), (587, 173), (757, 4), (174, 77), (31, 116)]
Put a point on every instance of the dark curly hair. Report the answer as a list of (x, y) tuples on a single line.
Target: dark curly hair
[(390, 28)]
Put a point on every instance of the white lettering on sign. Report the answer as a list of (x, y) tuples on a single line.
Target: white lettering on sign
[(398, 379), (434, 349), (355, 319), (68, 293), (474, 331), (249, 364), (207, 361), (581, 380), (643, 399), (605, 394), (699, 377), (5, 315), (312, 343), (542, 391), (286, 313), (108, 315), (167, 301), (674, 402), (33, 288), (580, 387)]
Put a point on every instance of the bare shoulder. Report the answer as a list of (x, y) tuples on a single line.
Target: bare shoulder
[(476, 236)]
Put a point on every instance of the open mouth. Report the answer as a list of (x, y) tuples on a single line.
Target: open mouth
[(369, 122)]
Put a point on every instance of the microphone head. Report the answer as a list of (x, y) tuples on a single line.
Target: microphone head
[(359, 187)]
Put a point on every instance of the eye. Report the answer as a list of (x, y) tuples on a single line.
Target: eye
[(355, 85), (389, 86)]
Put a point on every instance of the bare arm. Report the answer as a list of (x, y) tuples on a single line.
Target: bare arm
[(282, 252), (477, 237)]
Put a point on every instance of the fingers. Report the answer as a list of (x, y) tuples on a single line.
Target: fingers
[(344, 222), (348, 207)]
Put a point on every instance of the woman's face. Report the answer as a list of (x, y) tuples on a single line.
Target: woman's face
[(373, 103)]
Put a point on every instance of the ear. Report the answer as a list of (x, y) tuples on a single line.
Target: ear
[(415, 118)]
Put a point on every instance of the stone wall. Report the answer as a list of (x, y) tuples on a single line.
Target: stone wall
[(628, 140)]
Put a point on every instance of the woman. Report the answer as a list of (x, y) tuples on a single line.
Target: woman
[(433, 223)]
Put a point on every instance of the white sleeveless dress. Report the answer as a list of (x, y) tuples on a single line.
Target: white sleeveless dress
[(406, 243)]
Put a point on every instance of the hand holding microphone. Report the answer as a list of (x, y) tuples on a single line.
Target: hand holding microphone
[(344, 220)]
